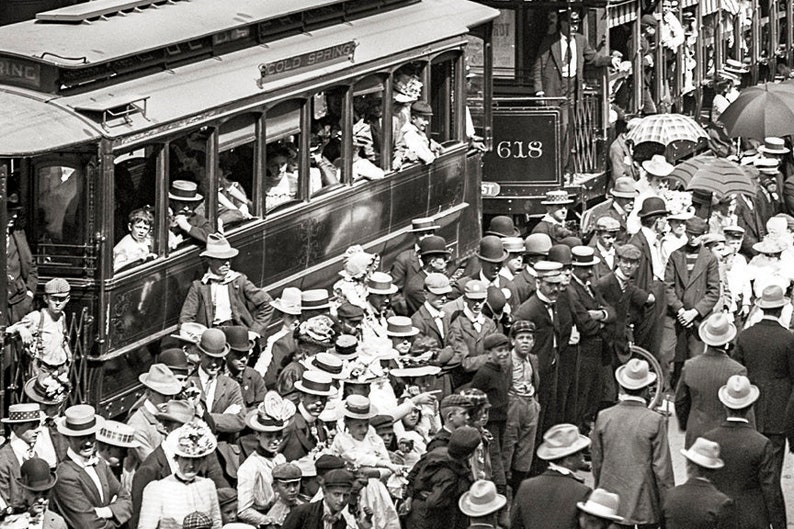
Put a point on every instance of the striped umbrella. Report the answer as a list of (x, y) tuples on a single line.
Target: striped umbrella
[(666, 128), (761, 111), (716, 175)]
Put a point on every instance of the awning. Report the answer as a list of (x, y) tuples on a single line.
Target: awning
[(624, 13)]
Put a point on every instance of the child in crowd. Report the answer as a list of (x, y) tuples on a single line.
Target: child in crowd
[(137, 246)]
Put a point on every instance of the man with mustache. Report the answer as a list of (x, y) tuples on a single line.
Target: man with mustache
[(304, 432)]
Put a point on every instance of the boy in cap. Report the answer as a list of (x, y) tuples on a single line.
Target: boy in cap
[(454, 411), (494, 378), (415, 145), (286, 485), (329, 512), (603, 243)]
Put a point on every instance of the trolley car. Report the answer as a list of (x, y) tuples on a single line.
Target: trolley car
[(109, 102)]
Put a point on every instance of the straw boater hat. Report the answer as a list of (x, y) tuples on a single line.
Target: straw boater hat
[(481, 499), (738, 393), (190, 332), (358, 407), (161, 379), (272, 414), (772, 297), (327, 363), (423, 225), (36, 475), (345, 347), (584, 256), (21, 413), (381, 283), (717, 330), (194, 440), (398, 326), (658, 166), (704, 453), (315, 383), (734, 66), (116, 433), (513, 245), (557, 198), (289, 302), (315, 299), (184, 191), (218, 247), (561, 440), (549, 271), (79, 420), (602, 504), (635, 374), (773, 145)]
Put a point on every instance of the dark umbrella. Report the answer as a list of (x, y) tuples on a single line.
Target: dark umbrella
[(761, 111), (715, 175)]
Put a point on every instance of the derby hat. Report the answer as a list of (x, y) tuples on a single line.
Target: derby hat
[(180, 411), (475, 289), (704, 453), (433, 245), (513, 245), (423, 224), (481, 499), (537, 244), (608, 224), (601, 504), (635, 374), (48, 390), (772, 297), (315, 299), (438, 284), (36, 475), (21, 413), (557, 197), (561, 440), (176, 360), (584, 256), (190, 332), (239, 338), (492, 249), (400, 326), (289, 302), (194, 440), (652, 206), (658, 166), (272, 414), (328, 363), (213, 343), (358, 407), (218, 247), (381, 283), (561, 253), (502, 226), (773, 145), (79, 420), (116, 433), (315, 383), (184, 191), (738, 393), (624, 188)]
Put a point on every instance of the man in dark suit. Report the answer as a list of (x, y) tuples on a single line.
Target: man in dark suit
[(749, 218), (618, 208), (692, 289), (280, 346), (23, 276), (407, 262), (491, 256), (559, 486), (434, 257), (329, 512), (536, 248), (467, 334), (749, 475), (603, 244), (553, 222), (697, 407), (430, 319), (304, 431), (698, 504), (767, 350), (87, 494)]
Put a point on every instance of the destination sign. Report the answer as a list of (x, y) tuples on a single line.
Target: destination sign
[(20, 72), (314, 59)]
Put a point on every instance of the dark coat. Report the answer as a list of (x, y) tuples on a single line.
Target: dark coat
[(602, 268), (649, 326), (524, 284), (250, 305), (767, 350), (252, 387), (699, 290), (754, 226), (298, 439), (468, 346), (749, 476), (547, 71), (697, 504), (591, 332), (604, 209), (227, 392), (556, 232), (557, 510), (626, 303), (10, 489), (643, 277), (309, 516), (414, 292), (495, 381), (404, 266), (436, 489), (423, 321), (697, 406), (282, 350), (19, 303)]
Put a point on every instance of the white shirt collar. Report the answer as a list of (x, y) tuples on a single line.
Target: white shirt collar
[(737, 419), (434, 313), (618, 207), (548, 218), (562, 470), (604, 251), (308, 417), (474, 319), (543, 298), (80, 460), (633, 398), (488, 281)]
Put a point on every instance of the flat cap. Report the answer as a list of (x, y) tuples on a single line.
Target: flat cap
[(522, 326), (338, 477), (492, 341), (422, 108), (57, 286), (348, 311), (286, 472), (454, 400), (475, 289), (463, 442), (628, 251), (328, 462), (607, 223)]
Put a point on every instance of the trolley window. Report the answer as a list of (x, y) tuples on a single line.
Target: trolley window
[(283, 133), (327, 139), (444, 97), (236, 171), (368, 146)]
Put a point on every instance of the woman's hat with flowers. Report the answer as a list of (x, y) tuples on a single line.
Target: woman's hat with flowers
[(194, 440)]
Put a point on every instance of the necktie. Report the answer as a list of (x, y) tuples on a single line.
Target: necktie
[(589, 289)]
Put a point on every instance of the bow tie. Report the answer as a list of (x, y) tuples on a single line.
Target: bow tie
[(332, 518), (49, 421), (92, 462)]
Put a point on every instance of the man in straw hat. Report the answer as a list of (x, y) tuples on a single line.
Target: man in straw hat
[(281, 344), (631, 456), (50, 393), (114, 440), (767, 349), (749, 476), (87, 494), (600, 511), (559, 486), (618, 208), (184, 223), (223, 297), (24, 421), (697, 407), (37, 480), (552, 223), (698, 503), (161, 385), (407, 262), (482, 504)]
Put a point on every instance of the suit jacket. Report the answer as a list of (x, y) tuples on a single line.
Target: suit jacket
[(404, 266), (148, 431), (547, 71), (423, 321), (282, 349), (250, 304), (556, 232), (298, 439), (468, 347), (626, 304), (749, 476), (697, 406), (227, 392), (767, 350), (10, 490), (534, 310), (699, 290), (697, 504), (252, 387), (631, 457), (414, 291), (602, 268), (643, 277), (524, 284), (557, 510), (18, 299), (592, 333), (309, 516), (75, 496), (754, 228), (618, 151)]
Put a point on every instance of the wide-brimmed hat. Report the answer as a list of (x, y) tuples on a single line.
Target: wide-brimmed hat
[(492, 249), (557, 197), (317, 330), (502, 226), (423, 224), (734, 66), (481, 499), (624, 188), (658, 166), (704, 453), (773, 145), (161, 379), (184, 191), (213, 343), (117, 434), (562, 440), (433, 245), (315, 383), (381, 283), (772, 297), (190, 332), (635, 374), (180, 411), (358, 407), (770, 245), (272, 414), (584, 256), (239, 338), (289, 302), (738, 393), (652, 206), (315, 299), (79, 420), (21, 413), (438, 284), (194, 440), (218, 247), (400, 326), (601, 504), (537, 244), (36, 475), (328, 363), (47, 390)]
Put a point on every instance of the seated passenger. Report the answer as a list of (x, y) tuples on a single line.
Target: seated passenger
[(407, 90), (233, 203), (415, 145), (281, 183), (137, 245), (184, 223), (321, 171), (363, 167)]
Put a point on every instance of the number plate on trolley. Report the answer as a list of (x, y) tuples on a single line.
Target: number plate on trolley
[(491, 189)]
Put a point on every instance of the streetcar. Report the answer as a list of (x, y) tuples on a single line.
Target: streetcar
[(108, 104)]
